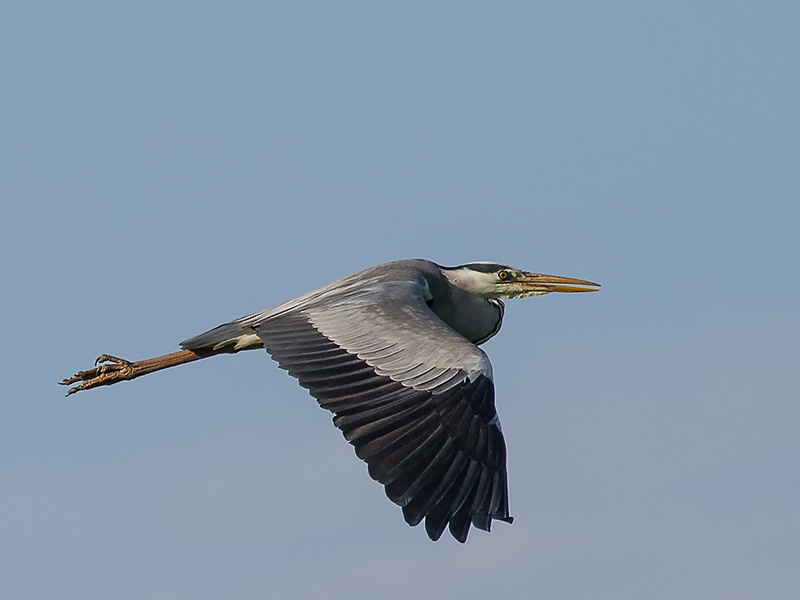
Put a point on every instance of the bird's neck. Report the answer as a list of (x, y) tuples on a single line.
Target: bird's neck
[(477, 319)]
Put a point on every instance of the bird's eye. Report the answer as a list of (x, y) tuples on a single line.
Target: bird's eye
[(503, 275)]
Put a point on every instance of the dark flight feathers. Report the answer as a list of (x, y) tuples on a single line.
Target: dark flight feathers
[(441, 456)]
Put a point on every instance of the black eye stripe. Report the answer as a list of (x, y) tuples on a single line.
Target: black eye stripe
[(482, 267)]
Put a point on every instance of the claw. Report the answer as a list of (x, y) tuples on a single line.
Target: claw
[(107, 358), (109, 369)]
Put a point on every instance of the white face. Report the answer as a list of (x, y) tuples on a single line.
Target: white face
[(490, 280), (472, 281)]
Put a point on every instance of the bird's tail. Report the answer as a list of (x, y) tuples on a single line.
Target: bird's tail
[(229, 337)]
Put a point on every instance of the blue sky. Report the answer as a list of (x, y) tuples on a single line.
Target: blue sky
[(169, 166)]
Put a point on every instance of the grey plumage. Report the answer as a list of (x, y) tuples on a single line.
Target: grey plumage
[(392, 351), (412, 395)]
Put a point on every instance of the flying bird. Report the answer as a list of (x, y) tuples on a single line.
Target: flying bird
[(393, 352)]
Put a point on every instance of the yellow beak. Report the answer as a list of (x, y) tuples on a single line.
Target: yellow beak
[(554, 283)]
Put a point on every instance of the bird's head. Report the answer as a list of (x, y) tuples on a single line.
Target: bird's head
[(490, 280)]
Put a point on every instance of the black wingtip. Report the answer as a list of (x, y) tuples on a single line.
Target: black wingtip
[(435, 528), (459, 527), (508, 520)]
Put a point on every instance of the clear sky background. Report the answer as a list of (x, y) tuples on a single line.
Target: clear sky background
[(168, 166)]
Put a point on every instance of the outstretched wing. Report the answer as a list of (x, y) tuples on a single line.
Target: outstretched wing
[(414, 397)]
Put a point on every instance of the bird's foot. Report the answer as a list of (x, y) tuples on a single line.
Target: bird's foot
[(108, 370)]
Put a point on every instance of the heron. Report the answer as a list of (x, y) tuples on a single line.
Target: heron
[(392, 351)]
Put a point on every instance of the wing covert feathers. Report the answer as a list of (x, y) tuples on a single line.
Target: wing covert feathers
[(417, 404)]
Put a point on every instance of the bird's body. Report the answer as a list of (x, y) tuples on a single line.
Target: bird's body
[(392, 352), (475, 318)]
